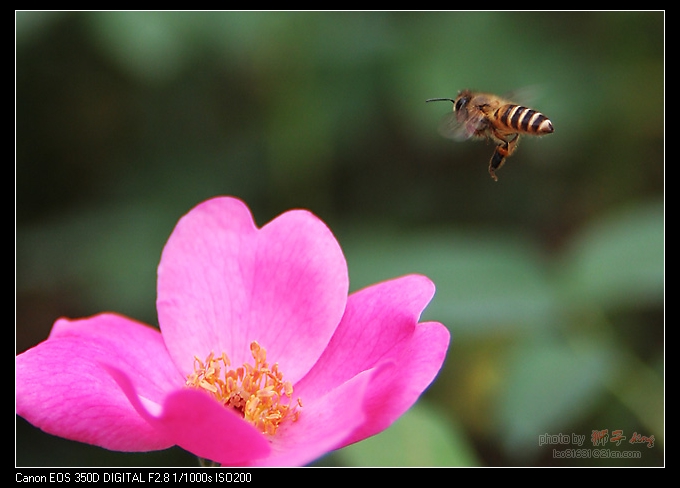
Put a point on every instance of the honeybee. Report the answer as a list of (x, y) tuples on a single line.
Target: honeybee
[(501, 121)]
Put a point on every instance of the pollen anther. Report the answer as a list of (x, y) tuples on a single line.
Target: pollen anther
[(258, 393)]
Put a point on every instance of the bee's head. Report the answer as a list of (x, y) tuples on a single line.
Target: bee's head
[(461, 100)]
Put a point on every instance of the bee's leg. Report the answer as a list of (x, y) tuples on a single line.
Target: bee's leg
[(497, 160), (512, 145), (502, 151)]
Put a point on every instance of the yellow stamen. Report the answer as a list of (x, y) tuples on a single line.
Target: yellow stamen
[(257, 392)]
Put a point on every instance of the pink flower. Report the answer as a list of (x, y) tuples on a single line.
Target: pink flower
[(263, 358)]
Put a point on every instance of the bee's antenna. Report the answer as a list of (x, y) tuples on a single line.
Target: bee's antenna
[(441, 100)]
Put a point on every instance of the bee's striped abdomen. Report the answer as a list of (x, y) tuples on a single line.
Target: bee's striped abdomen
[(523, 119)]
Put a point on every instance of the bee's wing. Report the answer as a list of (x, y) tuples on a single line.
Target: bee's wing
[(452, 127), (525, 96)]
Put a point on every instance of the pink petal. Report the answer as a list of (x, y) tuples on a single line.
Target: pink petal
[(222, 284), (380, 327), (62, 387), (196, 422), (376, 318), (324, 425), (394, 390)]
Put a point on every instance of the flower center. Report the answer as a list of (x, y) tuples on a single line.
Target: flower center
[(256, 392)]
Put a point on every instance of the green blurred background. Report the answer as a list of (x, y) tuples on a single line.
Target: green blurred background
[(551, 280)]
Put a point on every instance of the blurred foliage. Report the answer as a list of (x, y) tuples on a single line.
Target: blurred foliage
[(551, 280)]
